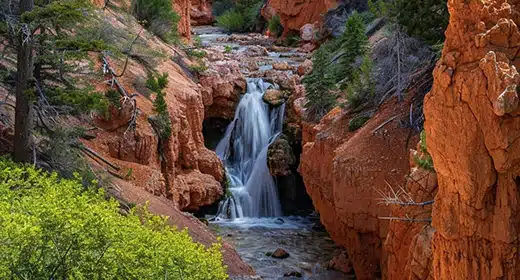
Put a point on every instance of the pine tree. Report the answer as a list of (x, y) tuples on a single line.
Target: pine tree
[(353, 44), (318, 85)]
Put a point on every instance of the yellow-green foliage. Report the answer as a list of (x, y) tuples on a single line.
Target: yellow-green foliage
[(52, 228)]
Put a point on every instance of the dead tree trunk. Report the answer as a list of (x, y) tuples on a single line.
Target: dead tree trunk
[(23, 115)]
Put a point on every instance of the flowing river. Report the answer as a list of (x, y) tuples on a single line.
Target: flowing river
[(250, 218)]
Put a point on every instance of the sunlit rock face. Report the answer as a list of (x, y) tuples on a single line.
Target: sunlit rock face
[(472, 128)]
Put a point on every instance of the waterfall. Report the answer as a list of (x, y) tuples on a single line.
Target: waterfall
[(244, 153)]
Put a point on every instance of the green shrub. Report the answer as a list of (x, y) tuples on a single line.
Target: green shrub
[(292, 40), (158, 16), (198, 68), (357, 122), (53, 228), (242, 17), (196, 53), (425, 162), (233, 21), (197, 42), (156, 82), (79, 100), (228, 49), (113, 97), (274, 26)]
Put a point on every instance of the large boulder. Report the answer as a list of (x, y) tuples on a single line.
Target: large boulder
[(275, 97), (280, 158)]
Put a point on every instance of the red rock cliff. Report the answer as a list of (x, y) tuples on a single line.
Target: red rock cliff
[(201, 12), (183, 8), (296, 13), (473, 128), (343, 170)]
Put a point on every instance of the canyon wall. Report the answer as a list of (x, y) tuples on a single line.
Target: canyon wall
[(201, 12), (473, 128), (296, 13), (183, 8), (344, 173)]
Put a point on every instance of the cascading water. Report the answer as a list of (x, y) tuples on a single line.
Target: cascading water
[(244, 153)]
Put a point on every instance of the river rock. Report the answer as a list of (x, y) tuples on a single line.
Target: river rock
[(293, 274), (341, 263), (305, 67), (282, 66), (280, 254), (275, 97), (280, 158), (253, 51), (308, 32)]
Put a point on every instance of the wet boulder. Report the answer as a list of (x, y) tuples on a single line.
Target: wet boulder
[(275, 97), (280, 254), (280, 158)]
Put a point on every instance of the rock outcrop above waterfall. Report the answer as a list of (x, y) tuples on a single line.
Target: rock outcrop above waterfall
[(344, 171), (222, 85), (201, 12), (296, 13), (473, 128), (180, 168)]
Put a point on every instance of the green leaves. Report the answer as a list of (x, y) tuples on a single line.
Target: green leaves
[(161, 122), (158, 16), (52, 228)]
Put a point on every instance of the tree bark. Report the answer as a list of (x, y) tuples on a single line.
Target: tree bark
[(23, 115)]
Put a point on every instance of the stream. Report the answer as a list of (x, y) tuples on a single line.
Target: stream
[(250, 217)]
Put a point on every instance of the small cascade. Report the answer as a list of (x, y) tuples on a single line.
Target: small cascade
[(244, 153)]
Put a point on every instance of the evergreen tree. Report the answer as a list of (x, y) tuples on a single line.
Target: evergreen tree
[(353, 45), (318, 85)]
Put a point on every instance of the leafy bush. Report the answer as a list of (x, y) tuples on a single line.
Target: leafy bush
[(233, 21), (426, 161), (196, 53), (53, 228), (318, 84), (242, 17), (198, 68), (156, 82), (158, 16), (79, 100), (357, 122), (228, 49), (274, 26)]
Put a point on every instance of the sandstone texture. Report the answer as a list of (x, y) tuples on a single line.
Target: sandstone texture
[(407, 249), (183, 8), (201, 12), (294, 14), (222, 85), (344, 173), (179, 168), (473, 128)]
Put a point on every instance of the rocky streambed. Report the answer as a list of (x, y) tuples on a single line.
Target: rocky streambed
[(281, 247)]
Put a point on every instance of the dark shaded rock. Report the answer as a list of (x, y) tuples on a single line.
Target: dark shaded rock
[(293, 274), (280, 158), (280, 254), (279, 221)]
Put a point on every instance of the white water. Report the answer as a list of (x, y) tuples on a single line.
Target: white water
[(244, 153)]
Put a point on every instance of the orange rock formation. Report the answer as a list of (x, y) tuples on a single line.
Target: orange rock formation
[(296, 13), (343, 170), (473, 129)]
